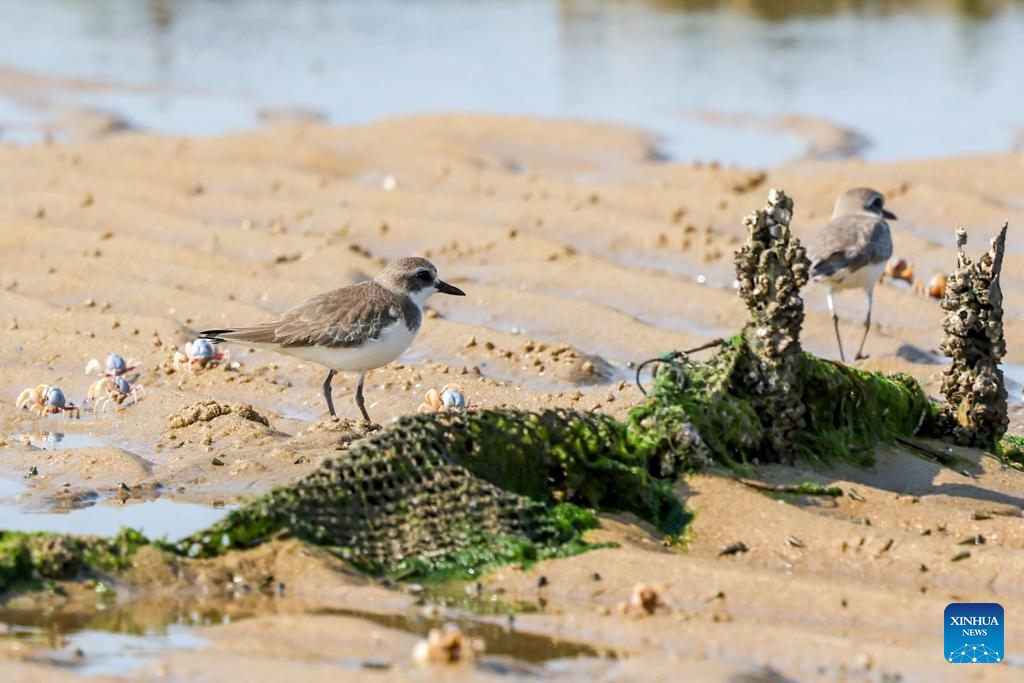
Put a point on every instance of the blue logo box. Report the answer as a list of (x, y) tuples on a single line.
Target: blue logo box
[(974, 633)]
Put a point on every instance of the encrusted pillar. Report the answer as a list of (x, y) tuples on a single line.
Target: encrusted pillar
[(975, 410), (771, 268)]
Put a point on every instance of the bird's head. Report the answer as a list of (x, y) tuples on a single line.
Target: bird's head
[(415, 277), (862, 201)]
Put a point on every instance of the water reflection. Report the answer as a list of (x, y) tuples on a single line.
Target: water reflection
[(158, 519), (915, 78)]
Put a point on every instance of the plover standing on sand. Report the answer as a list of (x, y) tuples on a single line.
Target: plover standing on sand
[(356, 328), (851, 251)]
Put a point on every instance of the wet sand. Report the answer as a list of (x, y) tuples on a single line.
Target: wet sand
[(581, 254)]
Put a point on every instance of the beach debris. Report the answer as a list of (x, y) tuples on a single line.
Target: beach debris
[(733, 549), (108, 391), (46, 400), (771, 267), (975, 411), (115, 366), (804, 488), (900, 269), (447, 645), (644, 601), (199, 353), (451, 397)]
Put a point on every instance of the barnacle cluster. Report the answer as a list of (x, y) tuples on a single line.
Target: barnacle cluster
[(975, 413), (771, 268)]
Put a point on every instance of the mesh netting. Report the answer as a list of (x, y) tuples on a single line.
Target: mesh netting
[(467, 489)]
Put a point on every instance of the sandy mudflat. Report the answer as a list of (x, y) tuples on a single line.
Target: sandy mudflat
[(580, 253)]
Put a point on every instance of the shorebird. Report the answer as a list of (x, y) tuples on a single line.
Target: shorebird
[(851, 251), (355, 328)]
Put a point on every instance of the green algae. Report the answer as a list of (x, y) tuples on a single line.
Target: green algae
[(812, 488), (31, 560), (849, 411), (1010, 450), (705, 413)]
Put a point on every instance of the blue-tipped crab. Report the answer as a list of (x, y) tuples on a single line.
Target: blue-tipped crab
[(46, 400), (115, 366), (199, 352), (108, 391)]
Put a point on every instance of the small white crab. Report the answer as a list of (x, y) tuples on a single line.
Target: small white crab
[(199, 352), (46, 400), (108, 391), (116, 365), (450, 398)]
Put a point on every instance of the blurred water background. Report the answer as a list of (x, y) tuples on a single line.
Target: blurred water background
[(750, 82)]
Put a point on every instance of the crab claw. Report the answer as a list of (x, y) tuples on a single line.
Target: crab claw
[(32, 396), (179, 359), (433, 399), (92, 366)]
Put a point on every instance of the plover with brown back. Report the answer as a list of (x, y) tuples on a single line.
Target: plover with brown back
[(355, 328), (851, 251)]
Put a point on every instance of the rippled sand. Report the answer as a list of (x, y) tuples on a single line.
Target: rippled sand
[(581, 254)]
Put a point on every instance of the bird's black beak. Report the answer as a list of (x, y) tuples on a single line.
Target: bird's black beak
[(888, 214), (446, 288)]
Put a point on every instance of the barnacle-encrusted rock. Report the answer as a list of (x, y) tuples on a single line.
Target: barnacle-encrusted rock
[(975, 413), (771, 268)]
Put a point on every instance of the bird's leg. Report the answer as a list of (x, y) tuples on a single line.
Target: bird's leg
[(327, 392), (835, 324), (867, 326), (359, 396)]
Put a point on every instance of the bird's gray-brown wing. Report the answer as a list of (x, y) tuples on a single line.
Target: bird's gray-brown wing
[(848, 243), (344, 317)]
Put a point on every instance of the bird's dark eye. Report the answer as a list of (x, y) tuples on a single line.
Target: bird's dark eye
[(425, 275)]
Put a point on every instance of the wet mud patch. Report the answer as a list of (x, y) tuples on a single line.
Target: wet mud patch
[(68, 478), (104, 641), (502, 639)]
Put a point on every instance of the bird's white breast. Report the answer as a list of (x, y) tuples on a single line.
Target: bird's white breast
[(389, 345), (862, 278)]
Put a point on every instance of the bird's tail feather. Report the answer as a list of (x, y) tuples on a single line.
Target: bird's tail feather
[(256, 334)]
